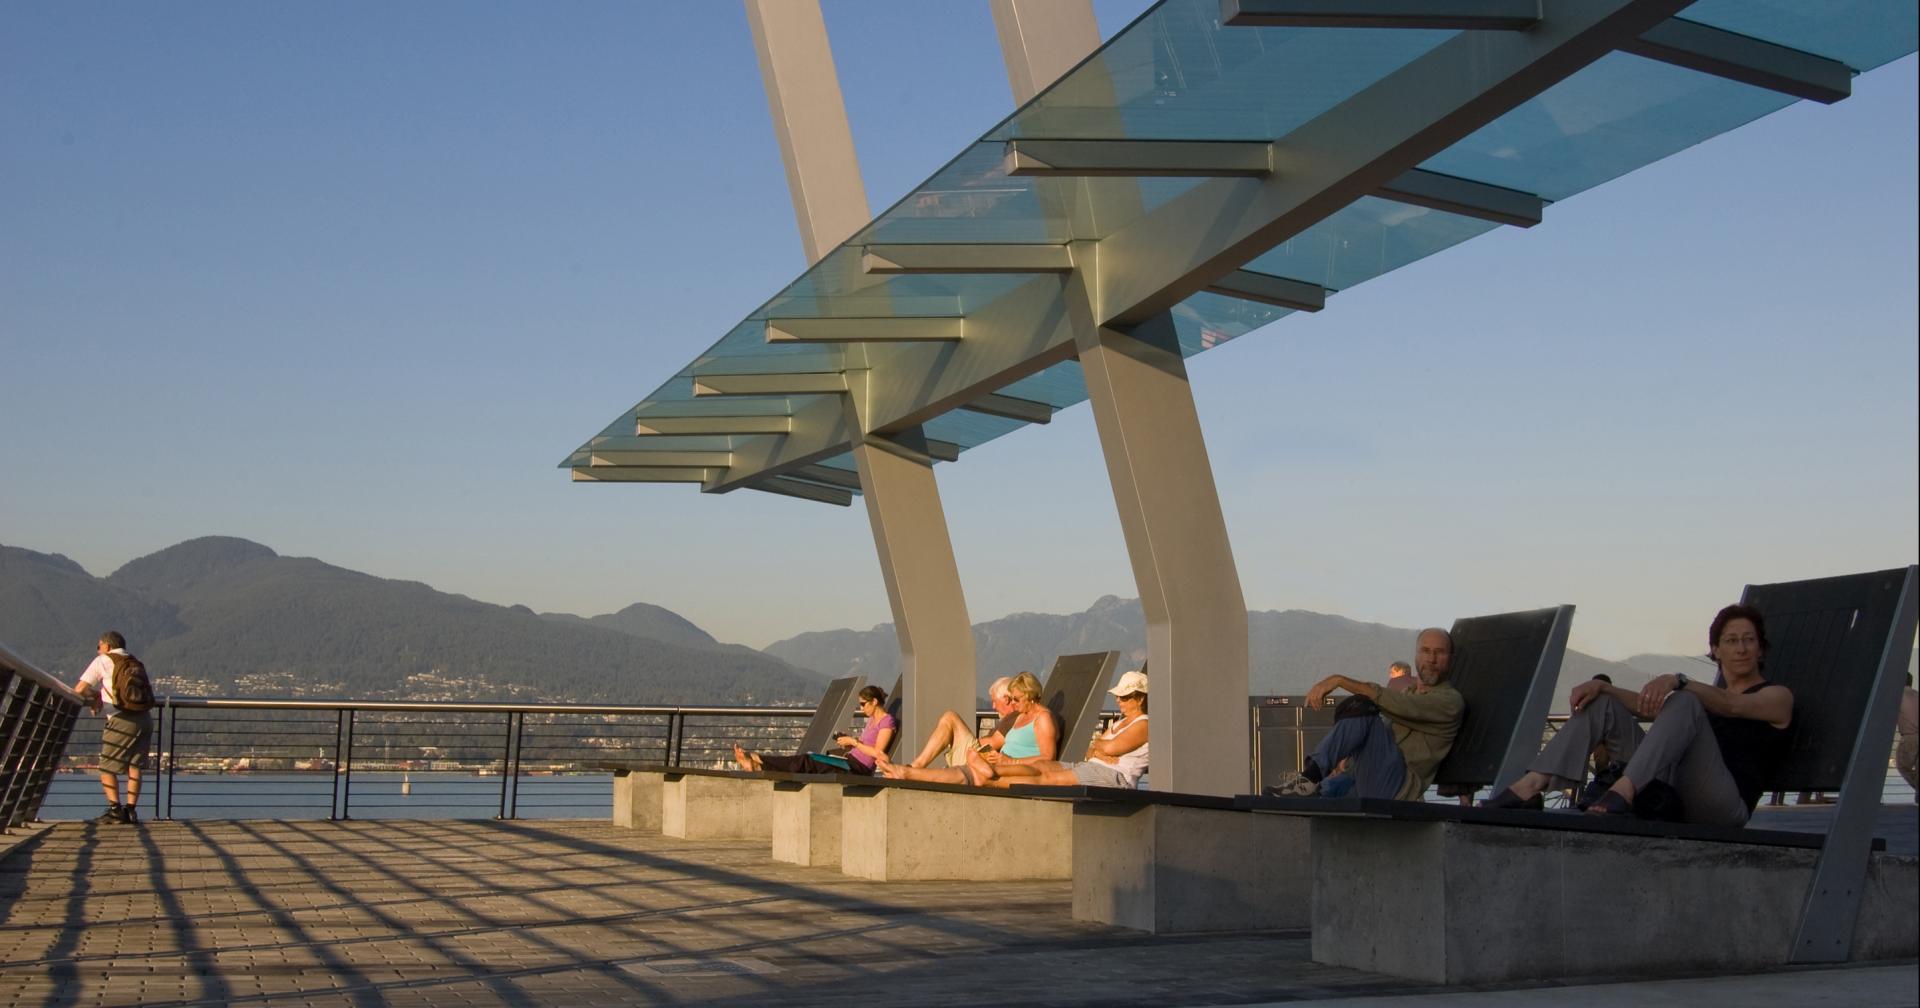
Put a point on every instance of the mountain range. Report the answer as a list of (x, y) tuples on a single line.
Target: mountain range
[(1290, 649), (225, 616)]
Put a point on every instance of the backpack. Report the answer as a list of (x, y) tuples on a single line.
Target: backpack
[(132, 690)]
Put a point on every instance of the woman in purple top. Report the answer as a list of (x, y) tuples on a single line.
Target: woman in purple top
[(859, 751)]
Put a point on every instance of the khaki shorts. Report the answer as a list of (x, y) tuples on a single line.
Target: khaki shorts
[(123, 742)]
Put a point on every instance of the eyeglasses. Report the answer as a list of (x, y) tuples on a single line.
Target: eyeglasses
[(1747, 641)]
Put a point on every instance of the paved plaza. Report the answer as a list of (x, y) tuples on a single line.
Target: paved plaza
[(570, 912)]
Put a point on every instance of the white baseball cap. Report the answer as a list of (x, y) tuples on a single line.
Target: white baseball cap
[(1132, 682)]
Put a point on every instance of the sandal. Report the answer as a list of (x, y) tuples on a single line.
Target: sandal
[(1610, 804)]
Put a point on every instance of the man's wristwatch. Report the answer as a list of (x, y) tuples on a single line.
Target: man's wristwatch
[(1679, 682)]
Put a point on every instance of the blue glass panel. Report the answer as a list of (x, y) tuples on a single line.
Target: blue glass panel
[(1619, 114), (1177, 74), (1863, 34), (1370, 237)]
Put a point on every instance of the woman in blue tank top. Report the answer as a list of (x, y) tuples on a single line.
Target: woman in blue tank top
[(1033, 735)]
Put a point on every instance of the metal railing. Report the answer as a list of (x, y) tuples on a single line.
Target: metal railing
[(240, 758), (339, 759), (37, 715)]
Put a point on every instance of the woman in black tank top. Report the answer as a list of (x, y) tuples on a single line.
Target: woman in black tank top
[(1714, 745)]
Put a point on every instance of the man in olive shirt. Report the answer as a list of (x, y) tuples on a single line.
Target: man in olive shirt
[(1395, 754)]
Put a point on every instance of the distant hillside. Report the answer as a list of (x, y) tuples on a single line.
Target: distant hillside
[(52, 610), (654, 623), (231, 616), (1290, 649)]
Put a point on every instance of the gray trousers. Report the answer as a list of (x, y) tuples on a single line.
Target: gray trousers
[(1604, 720), (1679, 749)]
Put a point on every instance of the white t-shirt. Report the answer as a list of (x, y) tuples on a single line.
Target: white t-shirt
[(1130, 764), (99, 675)]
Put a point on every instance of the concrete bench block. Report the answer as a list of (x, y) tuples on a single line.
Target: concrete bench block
[(893, 834), (636, 800), (696, 807), (806, 823), (1164, 868), (1458, 903)]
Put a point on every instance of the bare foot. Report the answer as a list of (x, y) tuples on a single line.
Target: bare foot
[(982, 770), (744, 758)]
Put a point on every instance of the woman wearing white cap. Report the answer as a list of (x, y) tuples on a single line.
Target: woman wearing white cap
[(1116, 758)]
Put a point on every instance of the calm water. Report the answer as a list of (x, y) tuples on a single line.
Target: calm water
[(424, 795)]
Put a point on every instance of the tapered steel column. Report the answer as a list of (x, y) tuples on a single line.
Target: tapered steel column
[(1182, 561), (1042, 39), (903, 501)]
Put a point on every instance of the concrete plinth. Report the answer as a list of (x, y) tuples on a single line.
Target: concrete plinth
[(1458, 903), (1163, 868), (806, 823), (636, 800), (894, 834), (699, 807)]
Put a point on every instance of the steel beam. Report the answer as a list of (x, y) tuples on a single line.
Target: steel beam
[(906, 329), (1140, 158), (642, 474), (1274, 290), (1012, 408), (673, 459), (845, 479), (1182, 559), (666, 425), (816, 383), (810, 121), (1465, 197), (894, 260), (1353, 150), (789, 487), (1742, 58), (1458, 15), (1042, 39), (659, 442)]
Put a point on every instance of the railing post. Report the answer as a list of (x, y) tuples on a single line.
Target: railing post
[(676, 736), (173, 743), (509, 769), (339, 766), (156, 743), (519, 756), (345, 776)]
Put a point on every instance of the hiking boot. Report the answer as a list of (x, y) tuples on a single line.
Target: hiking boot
[(130, 814), (111, 815), (1293, 786)]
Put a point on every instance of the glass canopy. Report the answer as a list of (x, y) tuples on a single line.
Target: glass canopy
[(1178, 74)]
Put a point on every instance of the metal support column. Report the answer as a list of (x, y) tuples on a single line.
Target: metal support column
[(923, 587), (1182, 561), (903, 502)]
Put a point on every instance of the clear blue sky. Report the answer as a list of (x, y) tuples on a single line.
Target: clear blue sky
[(349, 279)]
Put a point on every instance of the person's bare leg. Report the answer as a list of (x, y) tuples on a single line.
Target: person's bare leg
[(1052, 774), (931, 775), (133, 785), (111, 785), (948, 732)]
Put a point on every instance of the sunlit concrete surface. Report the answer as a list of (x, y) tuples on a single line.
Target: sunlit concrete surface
[(534, 913)]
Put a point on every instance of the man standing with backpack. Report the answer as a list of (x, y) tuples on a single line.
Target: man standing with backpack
[(121, 680)]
